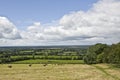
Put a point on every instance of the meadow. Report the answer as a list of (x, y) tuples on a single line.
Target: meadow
[(64, 63), (38, 61), (59, 72)]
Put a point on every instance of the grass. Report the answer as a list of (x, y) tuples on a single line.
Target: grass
[(57, 72), (106, 72), (38, 61), (49, 57)]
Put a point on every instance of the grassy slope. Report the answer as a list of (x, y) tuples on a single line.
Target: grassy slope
[(57, 72), (105, 70)]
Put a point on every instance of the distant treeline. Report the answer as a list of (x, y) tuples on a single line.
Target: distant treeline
[(8, 55), (98, 53), (102, 53)]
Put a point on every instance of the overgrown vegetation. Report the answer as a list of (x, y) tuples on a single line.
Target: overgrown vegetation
[(102, 53)]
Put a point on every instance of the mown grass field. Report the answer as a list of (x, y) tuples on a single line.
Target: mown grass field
[(59, 72)]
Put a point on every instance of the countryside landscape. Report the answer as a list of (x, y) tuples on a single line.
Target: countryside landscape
[(95, 62), (59, 40)]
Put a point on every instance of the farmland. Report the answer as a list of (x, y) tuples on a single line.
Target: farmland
[(13, 54), (96, 62), (59, 72), (38, 61)]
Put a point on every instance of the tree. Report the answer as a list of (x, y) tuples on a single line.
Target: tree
[(90, 58), (114, 54), (100, 58), (93, 52)]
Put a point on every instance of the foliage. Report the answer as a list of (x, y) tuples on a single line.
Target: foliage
[(101, 53), (93, 53), (10, 54)]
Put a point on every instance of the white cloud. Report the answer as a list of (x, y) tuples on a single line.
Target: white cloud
[(35, 27), (101, 23), (8, 30)]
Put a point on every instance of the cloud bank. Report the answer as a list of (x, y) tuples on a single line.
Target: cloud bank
[(8, 30), (101, 23)]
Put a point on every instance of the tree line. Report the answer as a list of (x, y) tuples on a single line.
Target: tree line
[(11, 55), (103, 53)]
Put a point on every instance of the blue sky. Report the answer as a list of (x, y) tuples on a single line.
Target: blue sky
[(59, 22), (24, 12)]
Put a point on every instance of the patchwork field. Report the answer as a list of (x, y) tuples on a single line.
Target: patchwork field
[(58, 72)]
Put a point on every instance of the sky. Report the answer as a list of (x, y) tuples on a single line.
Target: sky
[(24, 12), (59, 22)]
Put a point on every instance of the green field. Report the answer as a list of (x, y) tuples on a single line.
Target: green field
[(73, 57), (59, 72), (38, 61)]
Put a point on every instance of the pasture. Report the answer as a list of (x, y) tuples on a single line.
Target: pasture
[(38, 61), (58, 72)]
